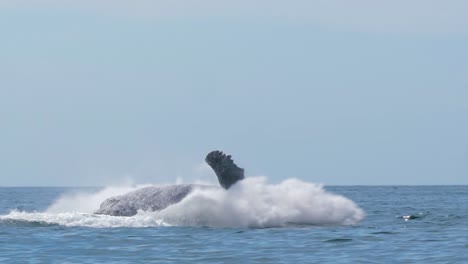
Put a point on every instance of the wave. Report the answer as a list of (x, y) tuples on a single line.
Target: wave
[(252, 202)]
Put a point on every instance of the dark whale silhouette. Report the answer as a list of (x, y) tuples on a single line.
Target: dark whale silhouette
[(156, 198)]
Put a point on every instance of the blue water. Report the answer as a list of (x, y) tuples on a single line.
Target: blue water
[(437, 232)]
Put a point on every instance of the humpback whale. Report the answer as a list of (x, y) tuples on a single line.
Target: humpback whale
[(156, 198)]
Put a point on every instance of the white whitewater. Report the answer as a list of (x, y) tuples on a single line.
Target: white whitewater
[(252, 202)]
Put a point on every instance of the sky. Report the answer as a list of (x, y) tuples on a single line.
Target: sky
[(96, 93)]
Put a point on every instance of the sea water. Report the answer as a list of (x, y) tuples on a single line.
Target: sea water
[(256, 222)]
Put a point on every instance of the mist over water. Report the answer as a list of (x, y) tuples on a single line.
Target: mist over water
[(252, 202), (88, 202)]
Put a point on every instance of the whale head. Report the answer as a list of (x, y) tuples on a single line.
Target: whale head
[(227, 172)]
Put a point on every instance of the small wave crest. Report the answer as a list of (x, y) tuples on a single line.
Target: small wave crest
[(252, 202)]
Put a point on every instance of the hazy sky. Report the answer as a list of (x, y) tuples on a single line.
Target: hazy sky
[(336, 92)]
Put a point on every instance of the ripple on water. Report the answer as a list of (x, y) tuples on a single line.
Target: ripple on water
[(339, 240), (384, 233), (26, 223)]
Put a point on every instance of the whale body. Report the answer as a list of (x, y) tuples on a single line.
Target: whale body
[(156, 198)]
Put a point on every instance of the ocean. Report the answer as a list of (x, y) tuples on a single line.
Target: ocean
[(290, 222)]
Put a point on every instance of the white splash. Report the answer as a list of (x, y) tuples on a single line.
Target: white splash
[(87, 202), (255, 203), (252, 202)]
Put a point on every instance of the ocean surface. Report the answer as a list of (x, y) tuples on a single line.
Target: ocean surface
[(291, 222)]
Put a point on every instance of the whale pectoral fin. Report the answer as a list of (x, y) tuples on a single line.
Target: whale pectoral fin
[(228, 173)]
